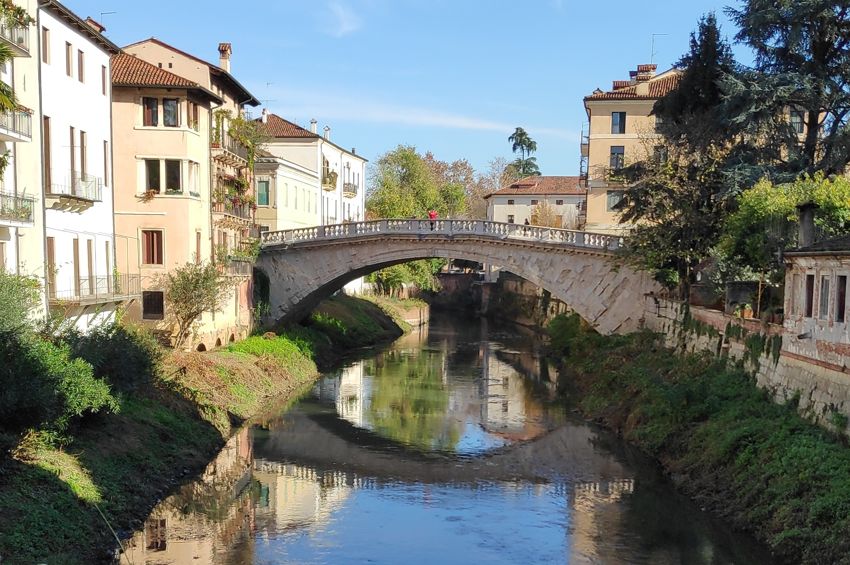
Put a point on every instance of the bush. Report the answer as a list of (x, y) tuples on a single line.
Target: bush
[(18, 297), (125, 356), (42, 385), (563, 330)]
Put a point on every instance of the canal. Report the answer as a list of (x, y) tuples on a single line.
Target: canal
[(452, 445)]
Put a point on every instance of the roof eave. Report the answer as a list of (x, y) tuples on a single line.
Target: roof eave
[(73, 19)]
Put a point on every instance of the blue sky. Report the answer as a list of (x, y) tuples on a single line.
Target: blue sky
[(451, 76)]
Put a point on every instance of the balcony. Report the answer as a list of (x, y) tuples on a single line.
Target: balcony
[(349, 189), (329, 181), (237, 215), (73, 191), (17, 38), (238, 267), (97, 290), (16, 210), (15, 125), (229, 151)]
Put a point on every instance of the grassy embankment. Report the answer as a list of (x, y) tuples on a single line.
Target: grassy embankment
[(164, 432), (722, 440)]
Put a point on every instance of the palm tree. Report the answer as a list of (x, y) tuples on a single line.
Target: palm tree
[(522, 142)]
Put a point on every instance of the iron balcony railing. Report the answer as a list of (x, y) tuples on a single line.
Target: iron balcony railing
[(349, 189), (16, 208), (230, 145), (17, 121), (240, 210), (18, 37), (77, 185), (239, 266), (98, 289)]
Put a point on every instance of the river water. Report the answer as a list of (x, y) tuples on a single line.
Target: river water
[(449, 446)]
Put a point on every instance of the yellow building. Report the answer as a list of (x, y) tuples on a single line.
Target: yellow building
[(179, 170), (621, 130)]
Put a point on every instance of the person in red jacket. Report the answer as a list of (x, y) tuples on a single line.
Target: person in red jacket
[(432, 217)]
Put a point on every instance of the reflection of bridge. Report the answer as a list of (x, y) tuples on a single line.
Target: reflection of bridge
[(314, 436), (580, 268)]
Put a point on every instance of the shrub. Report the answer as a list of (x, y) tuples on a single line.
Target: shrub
[(42, 385), (18, 297), (563, 330), (125, 356)]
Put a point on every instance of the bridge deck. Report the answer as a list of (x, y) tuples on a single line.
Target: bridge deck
[(449, 228)]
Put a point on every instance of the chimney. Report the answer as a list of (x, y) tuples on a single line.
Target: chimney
[(224, 52), (328, 133), (264, 117), (313, 125), (806, 233), (95, 25), (354, 151)]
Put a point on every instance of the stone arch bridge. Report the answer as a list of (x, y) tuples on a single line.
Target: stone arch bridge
[(582, 269)]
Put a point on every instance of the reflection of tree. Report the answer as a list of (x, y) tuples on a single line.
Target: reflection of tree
[(410, 402)]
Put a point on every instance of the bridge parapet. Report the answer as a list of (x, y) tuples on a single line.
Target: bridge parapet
[(496, 230)]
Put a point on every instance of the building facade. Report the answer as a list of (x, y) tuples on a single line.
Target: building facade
[(192, 197), (621, 130), (551, 200), (84, 282), (21, 199)]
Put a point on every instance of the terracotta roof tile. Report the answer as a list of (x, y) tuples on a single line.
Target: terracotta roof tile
[(128, 70), (659, 86), (542, 185), (278, 127)]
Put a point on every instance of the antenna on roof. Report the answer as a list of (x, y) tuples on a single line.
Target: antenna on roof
[(652, 52)]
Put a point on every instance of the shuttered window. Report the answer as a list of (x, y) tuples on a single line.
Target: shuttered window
[(152, 247)]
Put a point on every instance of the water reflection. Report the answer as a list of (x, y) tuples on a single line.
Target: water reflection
[(447, 447)]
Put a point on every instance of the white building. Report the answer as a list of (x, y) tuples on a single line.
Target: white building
[(21, 202), (529, 199), (310, 180), (83, 280)]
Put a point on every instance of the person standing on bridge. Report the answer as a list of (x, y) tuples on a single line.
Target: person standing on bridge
[(432, 217)]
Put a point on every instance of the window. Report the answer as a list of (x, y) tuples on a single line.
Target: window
[(72, 146), (194, 116), (152, 247), (614, 199), (46, 151), (618, 156), (797, 121), (45, 45), (153, 305), (840, 298), (534, 202), (194, 179), (559, 202), (660, 153), (81, 66), (152, 175), (84, 157), (810, 295), (170, 112), (150, 112), (69, 63), (106, 160), (510, 202), (103, 79), (510, 218), (618, 122), (823, 310), (172, 177), (262, 193)]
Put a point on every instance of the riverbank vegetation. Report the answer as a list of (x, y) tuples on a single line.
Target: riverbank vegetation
[(96, 427), (723, 440)]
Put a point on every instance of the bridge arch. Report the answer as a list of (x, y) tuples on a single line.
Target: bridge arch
[(581, 269)]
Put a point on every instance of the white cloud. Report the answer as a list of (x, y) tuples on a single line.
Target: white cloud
[(342, 21), (305, 105)]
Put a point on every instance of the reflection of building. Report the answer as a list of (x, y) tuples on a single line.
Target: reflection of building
[(595, 517), (222, 512), (352, 401), (294, 496)]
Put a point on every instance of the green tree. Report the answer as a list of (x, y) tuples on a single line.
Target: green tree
[(680, 194), (802, 51), (521, 142), (190, 291), (765, 222)]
